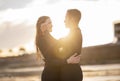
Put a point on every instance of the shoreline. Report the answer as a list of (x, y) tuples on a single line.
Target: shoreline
[(88, 70)]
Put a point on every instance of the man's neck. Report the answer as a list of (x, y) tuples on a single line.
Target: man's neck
[(74, 27)]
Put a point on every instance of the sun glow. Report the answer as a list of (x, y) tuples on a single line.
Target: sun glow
[(96, 23), (30, 47), (59, 32)]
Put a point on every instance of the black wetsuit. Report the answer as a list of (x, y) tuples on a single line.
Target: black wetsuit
[(56, 67), (71, 44), (48, 47)]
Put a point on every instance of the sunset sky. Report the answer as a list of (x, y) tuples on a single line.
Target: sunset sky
[(18, 19)]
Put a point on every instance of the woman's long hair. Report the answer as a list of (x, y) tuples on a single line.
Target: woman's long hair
[(39, 33)]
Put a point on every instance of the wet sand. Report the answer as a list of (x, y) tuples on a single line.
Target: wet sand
[(108, 72)]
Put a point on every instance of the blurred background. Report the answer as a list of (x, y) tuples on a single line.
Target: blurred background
[(100, 26)]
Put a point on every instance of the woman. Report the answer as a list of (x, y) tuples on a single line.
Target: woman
[(48, 46)]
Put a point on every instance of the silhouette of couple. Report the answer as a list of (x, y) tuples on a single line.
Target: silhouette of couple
[(62, 56)]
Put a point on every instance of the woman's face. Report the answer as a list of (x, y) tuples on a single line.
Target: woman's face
[(47, 26)]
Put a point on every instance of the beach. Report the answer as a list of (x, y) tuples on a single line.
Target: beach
[(105, 72)]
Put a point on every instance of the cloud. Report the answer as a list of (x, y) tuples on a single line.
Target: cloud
[(14, 4), (52, 1), (15, 35)]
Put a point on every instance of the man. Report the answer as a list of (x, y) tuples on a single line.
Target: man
[(70, 45)]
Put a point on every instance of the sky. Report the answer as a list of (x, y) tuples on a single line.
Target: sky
[(18, 19)]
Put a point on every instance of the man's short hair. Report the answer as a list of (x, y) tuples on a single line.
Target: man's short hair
[(75, 14)]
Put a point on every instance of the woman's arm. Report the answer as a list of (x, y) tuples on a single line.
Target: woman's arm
[(74, 59)]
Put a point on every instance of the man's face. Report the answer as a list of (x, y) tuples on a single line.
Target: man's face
[(66, 21)]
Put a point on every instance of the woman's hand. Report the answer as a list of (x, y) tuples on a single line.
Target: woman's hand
[(74, 59)]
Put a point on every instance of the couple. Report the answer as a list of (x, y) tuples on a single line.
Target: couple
[(62, 56)]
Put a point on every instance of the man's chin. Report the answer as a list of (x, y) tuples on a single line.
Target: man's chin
[(67, 27), (50, 31)]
